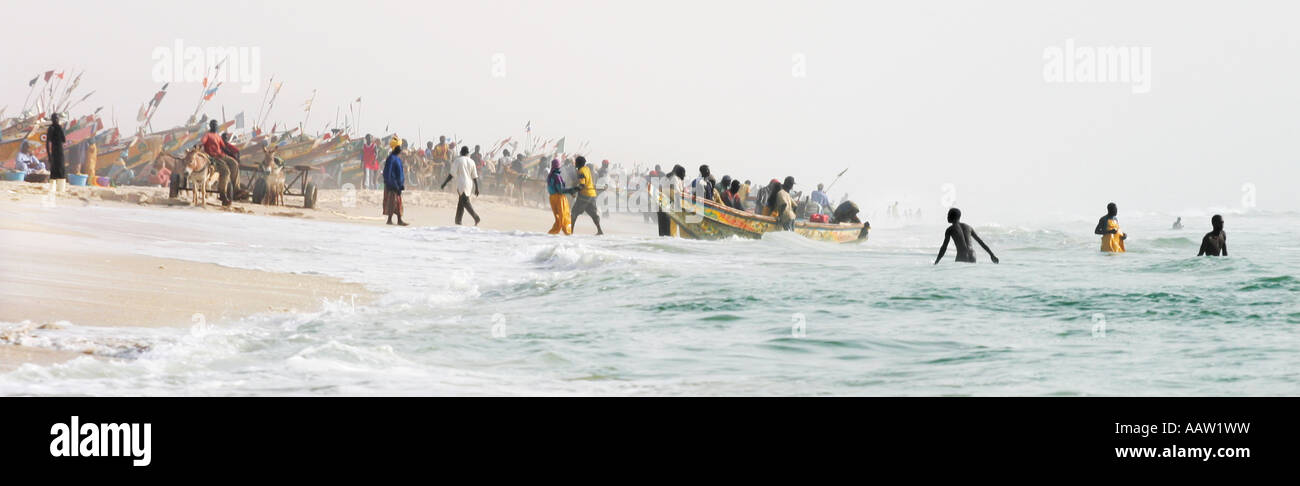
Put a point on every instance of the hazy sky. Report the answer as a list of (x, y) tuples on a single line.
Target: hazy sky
[(908, 95)]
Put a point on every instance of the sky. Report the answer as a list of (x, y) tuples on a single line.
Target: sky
[(926, 102)]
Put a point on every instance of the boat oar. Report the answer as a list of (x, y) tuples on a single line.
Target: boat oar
[(837, 179)]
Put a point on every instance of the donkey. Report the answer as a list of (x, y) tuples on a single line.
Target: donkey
[(274, 195), (201, 174)]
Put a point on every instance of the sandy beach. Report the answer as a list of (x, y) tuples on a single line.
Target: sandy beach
[(54, 273)]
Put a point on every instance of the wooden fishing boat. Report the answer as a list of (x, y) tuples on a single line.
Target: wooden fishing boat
[(704, 220)]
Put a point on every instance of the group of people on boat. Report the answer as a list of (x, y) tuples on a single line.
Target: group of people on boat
[(776, 199)]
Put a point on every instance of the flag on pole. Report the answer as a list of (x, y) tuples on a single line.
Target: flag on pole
[(47, 75), (75, 81), (157, 98), (32, 83), (528, 127), (559, 146), (207, 95), (307, 106), (144, 112)]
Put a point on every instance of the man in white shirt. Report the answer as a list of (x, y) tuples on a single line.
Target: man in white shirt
[(465, 174), (819, 197)]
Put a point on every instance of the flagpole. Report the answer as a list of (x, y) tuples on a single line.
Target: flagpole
[(49, 97), (837, 179), (310, 104), (262, 106), (29, 95), (269, 106)]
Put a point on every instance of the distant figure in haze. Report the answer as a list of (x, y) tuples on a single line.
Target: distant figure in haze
[(465, 174), (961, 233), (369, 162), (1215, 243), (1179, 223), (1112, 239)]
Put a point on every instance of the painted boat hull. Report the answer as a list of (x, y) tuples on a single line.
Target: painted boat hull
[(704, 220)]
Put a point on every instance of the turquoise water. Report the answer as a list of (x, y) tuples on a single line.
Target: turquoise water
[(468, 312)]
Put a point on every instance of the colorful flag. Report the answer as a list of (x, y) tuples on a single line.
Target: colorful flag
[(144, 112), (157, 98), (47, 75), (207, 95)]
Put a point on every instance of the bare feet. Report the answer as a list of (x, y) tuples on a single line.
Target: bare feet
[(403, 223)]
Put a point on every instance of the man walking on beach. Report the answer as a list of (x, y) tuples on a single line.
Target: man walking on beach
[(466, 176), (394, 184), (586, 201)]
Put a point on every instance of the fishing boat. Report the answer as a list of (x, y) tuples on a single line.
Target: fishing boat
[(700, 219)]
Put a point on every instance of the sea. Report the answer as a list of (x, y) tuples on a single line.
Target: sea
[(466, 311)]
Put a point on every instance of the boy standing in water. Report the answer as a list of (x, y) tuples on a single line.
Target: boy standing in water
[(961, 234), (1215, 243), (1112, 239)]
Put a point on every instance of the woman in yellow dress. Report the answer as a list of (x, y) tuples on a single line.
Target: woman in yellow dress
[(1112, 239), (559, 203)]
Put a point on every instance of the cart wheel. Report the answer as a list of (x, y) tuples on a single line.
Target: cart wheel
[(259, 190), (174, 188), (309, 196)]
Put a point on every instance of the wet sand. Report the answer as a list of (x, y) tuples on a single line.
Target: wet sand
[(53, 273)]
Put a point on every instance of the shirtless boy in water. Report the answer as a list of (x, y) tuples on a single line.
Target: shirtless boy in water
[(1215, 243), (961, 233)]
